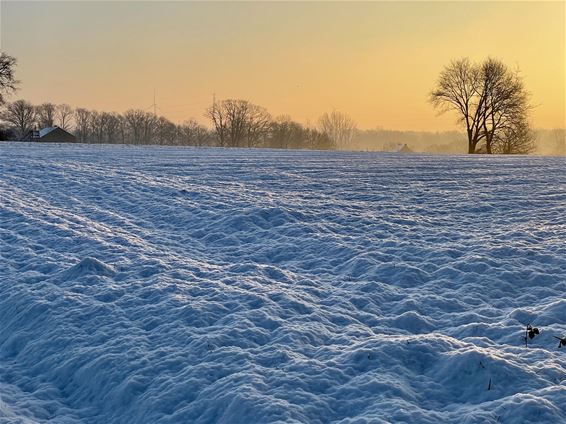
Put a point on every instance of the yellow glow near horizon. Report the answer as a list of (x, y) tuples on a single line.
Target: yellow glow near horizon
[(375, 61)]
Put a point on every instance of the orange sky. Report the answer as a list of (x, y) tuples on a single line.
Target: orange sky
[(376, 61)]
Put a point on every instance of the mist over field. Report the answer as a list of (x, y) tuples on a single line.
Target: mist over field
[(548, 142)]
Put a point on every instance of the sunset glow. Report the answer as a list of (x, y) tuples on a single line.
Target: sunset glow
[(376, 61)]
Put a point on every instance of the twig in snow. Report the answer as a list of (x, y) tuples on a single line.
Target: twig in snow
[(530, 333), (562, 341)]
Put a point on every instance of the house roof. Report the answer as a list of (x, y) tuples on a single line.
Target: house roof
[(405, 149), (45, 131)]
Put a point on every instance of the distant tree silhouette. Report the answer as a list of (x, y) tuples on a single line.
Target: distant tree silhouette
[(140, 125), (317, 140), (286, 134), (97, 126), (559, 135), (21, 116), (489, 99), (113, 128), (258, 126), (8, 83), (239, 123), (83, 124), (46, 115), (191, 133), (63, 116), (515, 138), (339, 128), (165, 131)]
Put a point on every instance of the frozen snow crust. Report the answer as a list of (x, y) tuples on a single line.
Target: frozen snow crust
[(164, 285)]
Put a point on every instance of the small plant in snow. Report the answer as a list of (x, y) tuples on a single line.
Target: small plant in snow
[(530, 333), (562, 341)]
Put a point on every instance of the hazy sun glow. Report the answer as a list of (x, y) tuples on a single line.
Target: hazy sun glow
[(376, 61)]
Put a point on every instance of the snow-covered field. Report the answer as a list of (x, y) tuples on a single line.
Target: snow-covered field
[(164, 285)]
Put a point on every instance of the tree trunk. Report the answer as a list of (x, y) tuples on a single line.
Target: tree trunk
[(471, 143)]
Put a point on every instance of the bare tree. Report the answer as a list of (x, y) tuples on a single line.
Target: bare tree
[(318, 140), (229, 120), (258, 125), (165, 131), (339, 127), (506, 109), (458, 89), (141, 125), (515, 138), (218, 115), (122, 127), (488, 98), (8, 82), (46, 115), (239, 122), (97, 126), (63, 116), (286, 133), (21, 116), (149, 124), (83, 124), (112, 128), (133, 119), (192, 133)]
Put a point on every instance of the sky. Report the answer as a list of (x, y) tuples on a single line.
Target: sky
[(376, 61)]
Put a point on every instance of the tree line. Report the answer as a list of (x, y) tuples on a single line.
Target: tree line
[(235, 123), (490, 100)]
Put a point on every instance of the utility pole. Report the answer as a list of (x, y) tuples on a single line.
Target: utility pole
[(154, 104)]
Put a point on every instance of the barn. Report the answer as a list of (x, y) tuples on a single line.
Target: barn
[(51, 134)]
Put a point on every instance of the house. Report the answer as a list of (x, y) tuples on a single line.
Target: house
[(51, 134), (404, 149)]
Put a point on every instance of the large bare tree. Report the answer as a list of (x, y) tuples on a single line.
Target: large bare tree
[(8, 82), (339, 127), (489, 99), (458, 89), (21, 116), (506, 109)]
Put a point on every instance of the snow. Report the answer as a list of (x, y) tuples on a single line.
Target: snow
[(175, 285), (44, 131)]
